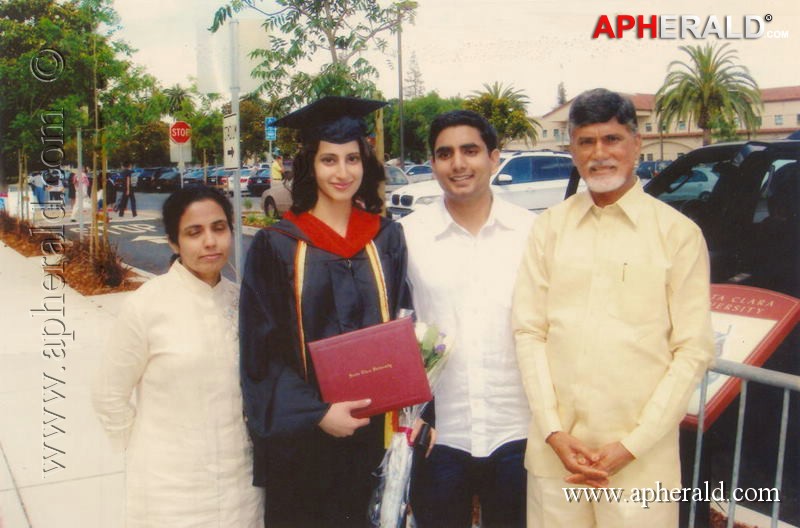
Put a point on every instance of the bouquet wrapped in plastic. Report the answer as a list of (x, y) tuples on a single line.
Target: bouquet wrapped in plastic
[(389, 504)]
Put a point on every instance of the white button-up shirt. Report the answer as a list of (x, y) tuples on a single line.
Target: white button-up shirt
[(464, 285)]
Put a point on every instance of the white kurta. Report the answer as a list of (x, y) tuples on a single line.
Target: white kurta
[(188, 455)]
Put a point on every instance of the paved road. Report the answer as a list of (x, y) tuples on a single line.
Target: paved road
[(141, 241)]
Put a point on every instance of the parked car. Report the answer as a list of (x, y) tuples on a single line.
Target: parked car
[(395, 178), (532, 179), (244, 175), (735, 192), (217, 178), (146, 178), (276, 200), (419, 173), (647, 169), (259, 182), (193, 177), (167, 181)]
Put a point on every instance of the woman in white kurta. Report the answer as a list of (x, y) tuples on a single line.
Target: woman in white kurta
[(188, 455)]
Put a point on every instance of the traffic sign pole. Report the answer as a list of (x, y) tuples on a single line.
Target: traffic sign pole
[(237, 194), (270, 134), (180, 133)]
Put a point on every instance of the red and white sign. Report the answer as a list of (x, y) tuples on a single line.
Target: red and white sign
[(180, 132), (749, 324)]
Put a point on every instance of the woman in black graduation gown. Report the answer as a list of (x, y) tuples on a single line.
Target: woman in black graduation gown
[(329, 258)]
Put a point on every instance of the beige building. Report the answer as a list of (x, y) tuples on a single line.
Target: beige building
[(780, 116)]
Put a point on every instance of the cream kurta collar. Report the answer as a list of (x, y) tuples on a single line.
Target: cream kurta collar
[(630, 203), (194, 284)]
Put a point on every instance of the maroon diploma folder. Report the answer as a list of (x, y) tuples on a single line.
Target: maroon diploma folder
[(380, 362)]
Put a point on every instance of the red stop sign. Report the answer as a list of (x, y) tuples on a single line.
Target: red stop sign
[(180, 132)]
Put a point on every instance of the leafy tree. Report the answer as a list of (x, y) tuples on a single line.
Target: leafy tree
[(147, 146), (417, 116), (711, 85), (562, 94), (54, 35), (342, 29), (74, 59), (413, 86), (504, 107), (333, 79), (252, 111), (206, 121)]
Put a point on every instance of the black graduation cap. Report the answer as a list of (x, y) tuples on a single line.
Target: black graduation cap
[(334, 118)]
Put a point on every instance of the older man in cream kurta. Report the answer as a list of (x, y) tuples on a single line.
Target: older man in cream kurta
[(612, 323)]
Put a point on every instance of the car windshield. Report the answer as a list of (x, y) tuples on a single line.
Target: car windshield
[(734, 194), (695, 183), (395, 176)]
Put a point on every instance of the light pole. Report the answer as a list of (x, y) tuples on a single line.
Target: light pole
[(400, 86)]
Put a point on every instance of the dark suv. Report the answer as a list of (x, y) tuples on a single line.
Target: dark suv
[(744, 196)]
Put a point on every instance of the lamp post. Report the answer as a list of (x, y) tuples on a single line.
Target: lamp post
[(400, 86)]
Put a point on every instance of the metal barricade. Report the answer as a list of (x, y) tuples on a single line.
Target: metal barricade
[(747, 374)]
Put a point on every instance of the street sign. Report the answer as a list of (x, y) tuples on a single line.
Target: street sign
[(180, 132), (180, 152), (270, 132), (230, 124)]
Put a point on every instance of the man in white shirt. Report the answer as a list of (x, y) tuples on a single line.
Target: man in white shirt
[(463, 253)]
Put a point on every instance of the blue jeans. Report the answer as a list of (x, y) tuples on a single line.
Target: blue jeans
[(442, 487)]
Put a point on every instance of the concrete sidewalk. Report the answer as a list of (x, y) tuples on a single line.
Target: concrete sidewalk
[(56, 465)]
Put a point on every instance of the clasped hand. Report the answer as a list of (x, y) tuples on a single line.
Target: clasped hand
[(592, 467)]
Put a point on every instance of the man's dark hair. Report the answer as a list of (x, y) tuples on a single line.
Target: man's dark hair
[(304, 181), (177, 203), (459, 118), (126, 164), (599, 106)]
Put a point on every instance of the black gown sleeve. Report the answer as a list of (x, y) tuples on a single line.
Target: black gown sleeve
[(397, 282), (277, 401)]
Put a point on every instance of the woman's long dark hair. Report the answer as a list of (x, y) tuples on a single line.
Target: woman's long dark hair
[(304, 180)]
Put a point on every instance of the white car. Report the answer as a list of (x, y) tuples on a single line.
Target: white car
[(534, 180), (244, 175)]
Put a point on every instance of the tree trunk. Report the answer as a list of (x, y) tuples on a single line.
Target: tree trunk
[(706, 136)]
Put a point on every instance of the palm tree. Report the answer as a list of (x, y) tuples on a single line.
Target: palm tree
[(516, 98), (176, 97), (711, 87), (504, 108)]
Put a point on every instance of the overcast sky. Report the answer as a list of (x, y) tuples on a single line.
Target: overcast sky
[(531, 44)]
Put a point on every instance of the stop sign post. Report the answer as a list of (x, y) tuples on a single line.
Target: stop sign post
[(180, 135)]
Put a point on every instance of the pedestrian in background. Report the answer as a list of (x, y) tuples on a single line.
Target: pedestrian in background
[(82, 201), (276, 171), (38, 186), (127, 190)]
